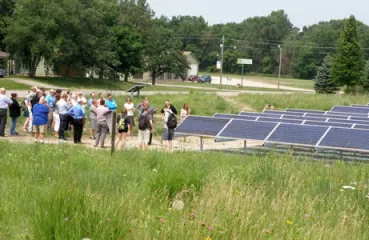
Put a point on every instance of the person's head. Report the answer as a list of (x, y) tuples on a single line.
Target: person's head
[(128, 100), (2, 91), (110, 96), (271, 107), (146, 103), (74, 96), (92, 95), (34, 89), (102, 102), (167, 102), (57, 98), (42, 100), (101, 96), (94, 103), (40, 93), (80, 94), (166, 106), (52, 92), (64, 96), (185, 106), (14, 95), (124, 111), (144, 99), (58, 92)]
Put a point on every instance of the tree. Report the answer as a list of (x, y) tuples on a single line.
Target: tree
[(305, 67), (365, 77), (348, 63), (161, 53), (6, 11), (323, 80)]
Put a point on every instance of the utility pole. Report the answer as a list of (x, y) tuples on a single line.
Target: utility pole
[(280, 65), (221, 61)]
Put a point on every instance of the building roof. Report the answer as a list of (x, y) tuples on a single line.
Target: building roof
[(3, 54), (192, 55)]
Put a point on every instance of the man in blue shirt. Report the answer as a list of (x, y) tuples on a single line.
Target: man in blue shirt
[(40, 118), (112, 105), (78, 114)]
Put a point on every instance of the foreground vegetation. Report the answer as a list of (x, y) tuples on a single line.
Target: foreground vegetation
[(9, 84), (65, 192)]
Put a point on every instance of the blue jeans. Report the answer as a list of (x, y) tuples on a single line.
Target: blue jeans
[(12, 125)]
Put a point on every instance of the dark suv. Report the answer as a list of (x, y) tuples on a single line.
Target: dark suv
[(204, 79), (3, 72)]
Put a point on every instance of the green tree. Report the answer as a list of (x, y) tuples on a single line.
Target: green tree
[(306, 64), (348, 63), (365, 77), (323, 80), (6, 12), (161, 53)]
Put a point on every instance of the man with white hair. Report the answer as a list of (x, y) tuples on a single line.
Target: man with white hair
[(4, 105), (81, 99)]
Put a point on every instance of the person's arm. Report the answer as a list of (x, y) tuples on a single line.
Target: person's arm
[(151, 125), (8, 101), (70, 111), (138, 107), (83, 112), (174, 110)]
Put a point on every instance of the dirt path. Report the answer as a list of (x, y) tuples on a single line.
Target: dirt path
[(32, 82)]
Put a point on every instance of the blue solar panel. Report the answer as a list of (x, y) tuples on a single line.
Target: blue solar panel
[(278, 120), (344, 125), (259, 114), (304, 111), (358, 105), (297, 134), (322, 119), (361, 126), (230, 116), (350, 109), (359, 118), (247, 130), (326, 115), (283, 113), (347, 121), (346, 138), (202, 126)]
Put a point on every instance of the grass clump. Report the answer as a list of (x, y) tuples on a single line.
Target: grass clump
[(68, 192)]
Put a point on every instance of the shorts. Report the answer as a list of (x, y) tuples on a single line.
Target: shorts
[(40, 128), (123, 130), (50, 115), (130, 121), (144, 136), (93, 123), (26, 113), (168, 134)]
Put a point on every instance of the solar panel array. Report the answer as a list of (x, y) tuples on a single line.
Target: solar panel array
[(341, 128)]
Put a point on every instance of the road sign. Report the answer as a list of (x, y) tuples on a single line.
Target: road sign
[(244, 61), (219, 65)]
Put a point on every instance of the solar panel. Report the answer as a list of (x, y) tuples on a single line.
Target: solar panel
[(359, 118), (326, 115), (358, 105), (230, 116), (297, 134), (282, 113), (304, 111), (278, 120), (350, 109), (322, 119), (346, 138), (348, 114), (361, 126), (254, 114), (247, 130), (202, 126), (329, 124), (346, 121)]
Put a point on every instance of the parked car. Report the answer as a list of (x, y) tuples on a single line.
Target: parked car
[(204, 79), (3, 72), (193, 78)]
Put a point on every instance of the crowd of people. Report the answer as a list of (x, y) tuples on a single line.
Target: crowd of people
[(60, 111)]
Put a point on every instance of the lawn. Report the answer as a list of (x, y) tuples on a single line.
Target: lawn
[(304, 101), (288, 82), (68, 192), (11, 85)]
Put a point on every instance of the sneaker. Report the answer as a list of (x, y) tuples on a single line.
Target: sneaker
[(61, 141), (36, 140), (91, 138)]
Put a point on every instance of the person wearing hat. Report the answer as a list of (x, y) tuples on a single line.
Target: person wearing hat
[(4, 105), (78, 113)]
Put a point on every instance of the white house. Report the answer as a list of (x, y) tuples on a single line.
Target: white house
[(194, 64)]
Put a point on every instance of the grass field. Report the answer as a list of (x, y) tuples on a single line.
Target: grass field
[(289, 82), (9, 84), (65, 192)]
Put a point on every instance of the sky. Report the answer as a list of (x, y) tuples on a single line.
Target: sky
[(300, 12)]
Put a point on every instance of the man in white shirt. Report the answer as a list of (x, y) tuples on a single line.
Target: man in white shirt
[(4, 105)]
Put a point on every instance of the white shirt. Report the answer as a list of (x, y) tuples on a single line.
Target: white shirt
[(4, 101), (130, 108), (83, 99), (62, 106), (184, 114)]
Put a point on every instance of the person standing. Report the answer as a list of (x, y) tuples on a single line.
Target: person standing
[(145, 126), (56, 117), (130, 107), (4, 105), (40, 118), (50, 100), (14, 113), (112, 105), (93, 119), (63, 108), (102, 124), (139, 107), (151, 111), (171, 107), (170, 123), (122, 128), (92, 97), (26, 113), (78, 113), (30, 97), (185, 112)]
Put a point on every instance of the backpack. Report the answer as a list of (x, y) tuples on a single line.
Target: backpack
[(172, 121), (143, 122), (121, 123)]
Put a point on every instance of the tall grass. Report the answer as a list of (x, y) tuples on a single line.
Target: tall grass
[(64, 192), (304, 101)]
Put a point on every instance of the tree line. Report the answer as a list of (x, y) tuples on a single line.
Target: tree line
[(123, 36)]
